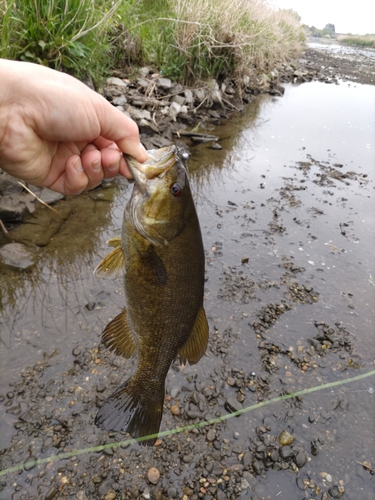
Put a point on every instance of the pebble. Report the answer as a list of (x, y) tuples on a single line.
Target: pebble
[(146, 494), (301, 459), (153, 475), (285, 438), (211, 435), (52, 492), (232, 405), (336, 491), (175, 391), (175, 409)]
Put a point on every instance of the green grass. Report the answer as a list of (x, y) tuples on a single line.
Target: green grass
[(359, 40), (69, 35), (185, 40)]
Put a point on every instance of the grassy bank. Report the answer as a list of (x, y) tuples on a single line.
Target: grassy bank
[(358, 40), (184, 40)]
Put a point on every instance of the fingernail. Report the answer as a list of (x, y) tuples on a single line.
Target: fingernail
[(77, 165), (96, 165)]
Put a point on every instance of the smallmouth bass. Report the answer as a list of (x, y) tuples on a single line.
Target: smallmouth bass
[(162, 255)]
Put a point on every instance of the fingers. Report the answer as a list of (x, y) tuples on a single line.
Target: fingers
[(103, 164), (73, 180), (121, 129)]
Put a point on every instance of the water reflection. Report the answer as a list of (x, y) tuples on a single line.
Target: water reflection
[(56, 289)]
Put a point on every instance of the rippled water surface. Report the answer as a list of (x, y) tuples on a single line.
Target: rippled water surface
[(293, 186)]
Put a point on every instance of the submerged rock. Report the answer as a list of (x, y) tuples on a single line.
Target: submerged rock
[(18, 256)]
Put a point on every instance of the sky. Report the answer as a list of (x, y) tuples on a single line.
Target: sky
[(348, 17)]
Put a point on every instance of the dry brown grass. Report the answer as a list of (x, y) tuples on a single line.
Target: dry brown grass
[(249, 32)]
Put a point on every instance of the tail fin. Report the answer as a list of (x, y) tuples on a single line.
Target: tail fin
[(130, 410)]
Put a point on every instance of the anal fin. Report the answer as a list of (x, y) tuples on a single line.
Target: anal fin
[(196, 344), (117, 336)]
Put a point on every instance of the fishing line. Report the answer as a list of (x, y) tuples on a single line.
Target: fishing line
[(177, 430)]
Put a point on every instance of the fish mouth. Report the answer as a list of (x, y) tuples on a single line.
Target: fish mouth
[(158, 163)]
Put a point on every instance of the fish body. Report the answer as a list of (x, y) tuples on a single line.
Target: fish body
[(162, 255)]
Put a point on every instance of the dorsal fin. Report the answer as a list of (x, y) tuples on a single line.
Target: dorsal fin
[(113, 264), (196, 344), (117, 336)]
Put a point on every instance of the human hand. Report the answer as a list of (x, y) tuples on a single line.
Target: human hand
[(55, 132)]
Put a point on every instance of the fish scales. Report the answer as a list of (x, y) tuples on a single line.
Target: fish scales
[(163, 319)]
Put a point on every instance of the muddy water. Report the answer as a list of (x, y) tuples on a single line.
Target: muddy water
[(287, 213)]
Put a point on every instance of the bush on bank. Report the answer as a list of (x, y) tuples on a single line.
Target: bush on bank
[(358, 40), (185, 40)]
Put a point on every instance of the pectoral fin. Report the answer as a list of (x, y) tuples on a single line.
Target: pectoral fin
[(154, 266), (113, 264), (117, 336), (196, 344)]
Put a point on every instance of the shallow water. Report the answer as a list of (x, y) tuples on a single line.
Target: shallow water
[(281, 170)]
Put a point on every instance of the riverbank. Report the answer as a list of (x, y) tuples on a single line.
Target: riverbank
[(166, 111)]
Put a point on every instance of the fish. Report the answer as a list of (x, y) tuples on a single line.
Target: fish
[(162, 257)]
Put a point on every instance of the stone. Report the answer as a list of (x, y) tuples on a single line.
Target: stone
[(145, 71), (12, 208), (18, 256), (285, 438), (199, 95), (175, 391), (216, 97), (211, 435), (153, 475), (147, 127), (119, 101), (164, 83), (232, 405), (142, 82), (175, 409), (189, 98), (9, 184), (47, 195), (174, 109), (179, 99), (117, 82), (301, 459), (138, 114)]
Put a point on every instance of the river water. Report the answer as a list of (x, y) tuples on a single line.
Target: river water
[(292, 188)]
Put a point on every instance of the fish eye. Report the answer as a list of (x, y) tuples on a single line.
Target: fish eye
[(176, 189)]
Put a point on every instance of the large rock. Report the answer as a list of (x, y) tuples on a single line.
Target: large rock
[(164, 83), (139, 114), (14, 206), (47, 195), (39, 229), (174, 109), (116, 82), (179, 99), (119, 100), (145, 71), (8, 184), (189, 98), (199, 95), (18, 256)]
